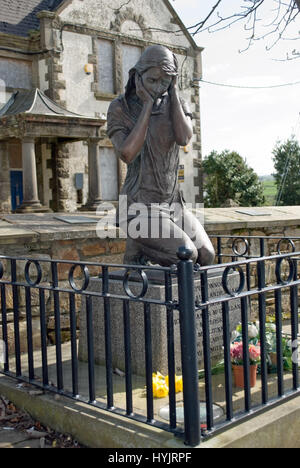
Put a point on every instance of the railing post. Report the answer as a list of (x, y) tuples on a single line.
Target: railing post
[(188, 347)]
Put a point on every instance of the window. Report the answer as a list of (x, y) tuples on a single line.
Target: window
[(106, 66), (15, 73), (130, 56)]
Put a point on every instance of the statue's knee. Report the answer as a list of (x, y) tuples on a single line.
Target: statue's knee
[(207, 256), (194, 255)]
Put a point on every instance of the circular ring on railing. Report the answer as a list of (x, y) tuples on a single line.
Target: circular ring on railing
[(38, 270), (278, 270), (289, 241), (225, 285), (86, 274), (144, 279), (235, 246)]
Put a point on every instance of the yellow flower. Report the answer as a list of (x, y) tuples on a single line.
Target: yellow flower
[(158, 376), (160, 390), (160, 385), (178, 383)]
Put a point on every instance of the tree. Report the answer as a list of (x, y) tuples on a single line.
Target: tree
[(228, 177), (287, 176)]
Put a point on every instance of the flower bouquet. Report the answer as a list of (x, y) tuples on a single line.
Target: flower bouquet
[(271, 344), (160, 385), (237, 359)]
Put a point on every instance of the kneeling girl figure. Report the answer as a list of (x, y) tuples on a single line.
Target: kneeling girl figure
[(146, 126)]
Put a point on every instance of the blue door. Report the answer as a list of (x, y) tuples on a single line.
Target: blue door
[(16, 184)]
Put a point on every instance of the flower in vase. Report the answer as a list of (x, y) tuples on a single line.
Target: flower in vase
[(237, 354)]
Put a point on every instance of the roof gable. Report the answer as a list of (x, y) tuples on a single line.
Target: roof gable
[(19, 17), (148, 12)]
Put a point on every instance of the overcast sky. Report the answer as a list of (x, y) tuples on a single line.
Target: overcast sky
[(247, 121)]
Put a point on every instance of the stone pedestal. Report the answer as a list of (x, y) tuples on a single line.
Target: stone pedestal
[(158, 324)]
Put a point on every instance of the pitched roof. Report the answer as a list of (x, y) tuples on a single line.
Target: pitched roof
[(34, 102), (18, 17)]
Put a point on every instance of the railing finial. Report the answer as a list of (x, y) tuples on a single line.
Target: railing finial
[(184, 253)]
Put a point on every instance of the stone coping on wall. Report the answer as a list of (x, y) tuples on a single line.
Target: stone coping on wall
[(43, 227), (273, 217)]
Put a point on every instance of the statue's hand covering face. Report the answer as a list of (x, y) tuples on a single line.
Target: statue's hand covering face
[(156, 82), (156, 63)]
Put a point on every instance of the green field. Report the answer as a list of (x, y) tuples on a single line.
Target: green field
[(270, 190)]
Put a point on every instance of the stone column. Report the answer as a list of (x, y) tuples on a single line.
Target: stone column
[(5, 191), (61, 183), (94, 196), (31, 200)]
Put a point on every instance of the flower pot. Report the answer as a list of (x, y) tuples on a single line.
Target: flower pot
[(273, 358), (238, 372)]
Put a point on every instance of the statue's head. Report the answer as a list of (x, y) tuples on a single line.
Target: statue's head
[(154, 60)]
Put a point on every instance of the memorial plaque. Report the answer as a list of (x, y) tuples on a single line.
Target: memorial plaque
[(158, 324), (253, 212), (77, 219)]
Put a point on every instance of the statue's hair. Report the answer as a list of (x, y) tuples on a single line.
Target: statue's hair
[(154, 56)]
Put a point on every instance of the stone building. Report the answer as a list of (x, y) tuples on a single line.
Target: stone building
[(61, 64)]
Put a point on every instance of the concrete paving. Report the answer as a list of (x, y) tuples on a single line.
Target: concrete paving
[(139, 386), (17, 439), (94, 427)]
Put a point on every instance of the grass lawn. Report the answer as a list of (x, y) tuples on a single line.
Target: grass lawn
[(270, 190)]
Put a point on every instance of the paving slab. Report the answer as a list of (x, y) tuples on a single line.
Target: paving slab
[(9, 438)]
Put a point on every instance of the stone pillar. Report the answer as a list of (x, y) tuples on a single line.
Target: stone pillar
[(47, 38), (31, 200), (5, 191), (61, 178), (94, 196)]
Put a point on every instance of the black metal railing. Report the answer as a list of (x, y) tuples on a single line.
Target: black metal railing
[(32, 290), (286, 280)]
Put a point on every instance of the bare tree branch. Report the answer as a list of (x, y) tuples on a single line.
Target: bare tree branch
[(250, 13)]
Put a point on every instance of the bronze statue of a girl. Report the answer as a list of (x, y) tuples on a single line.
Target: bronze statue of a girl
[(147, 125)]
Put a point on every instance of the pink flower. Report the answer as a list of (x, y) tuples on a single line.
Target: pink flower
[(236, 352)]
